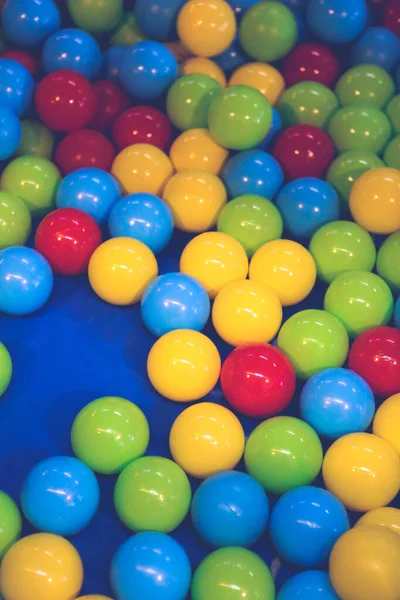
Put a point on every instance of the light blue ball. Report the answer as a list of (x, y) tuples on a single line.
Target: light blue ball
[(305, 524), (397, 313), (26, 280), (16, 86), (91, 190), (308, 585), (72, 49), (143, 217), (252, 172), (150, 566), (377, 46), (60, 495), (336, 402), (306, 204), (112, 61), (232, 58), (28, 22), (147, 70), (175, 301), (157, 18), (230, 509), (337, 21), (10, 132)]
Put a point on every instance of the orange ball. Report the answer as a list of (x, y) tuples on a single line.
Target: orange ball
[(261, 76)]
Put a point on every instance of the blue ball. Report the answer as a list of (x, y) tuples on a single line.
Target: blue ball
[(377, 46), (91, 190), (10, 132), (150, 566), (397, 313), (274, 130), (175, 301), (60, 495), (26, 280), (16, 86), (241, 6), (337, 21), (147, 70), (305, 524), (72, 49), (336, 402), (232, 58), (252, 172), (157, 18), (306, 204), (29, 22), (112, 61), (230, 509), (308, 585), (299, 6), (144, 217)]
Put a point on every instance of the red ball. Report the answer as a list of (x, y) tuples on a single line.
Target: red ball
[(258, 380), (65, 101), (311, 62), (84, 148), (24, 58), (67, 237), (142, 125), (304, 151), (391, 15), (111, 101), (375, 355)]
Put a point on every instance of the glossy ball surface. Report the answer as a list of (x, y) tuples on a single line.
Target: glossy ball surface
[(29, 23), (196, 149), (142, 168), (10, 523), (386, 421), (84, 148), (336, 21), (10, 132), (311, 62), (73, 50), (141, 125), (365, 84), (377, 46), (359, 127), (308, 585), (6, 368), (96, 15), (15, 221), (252, 172), (261, 76), (16, 86), (24, 57), (384, 517), (391, 16), (36, 139), (189, 99), (348, 167), (308, 103), (157, 19), (111, 101)]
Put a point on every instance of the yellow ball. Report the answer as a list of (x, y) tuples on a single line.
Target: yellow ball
[(196, 149), (214, 259), (204, 66), (183, 365), (385, 517), (196, 199), (287, 267), (364, 564), (387, 420), (206, 438), (206, 27), (42, 566), (142, 168), (375, 200), (265, 78), (362, 470), (246, 311), (121, 269)]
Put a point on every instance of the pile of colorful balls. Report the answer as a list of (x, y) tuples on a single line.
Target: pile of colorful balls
[(268, 132)]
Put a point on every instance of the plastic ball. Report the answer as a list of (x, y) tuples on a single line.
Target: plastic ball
[(311, 62), (359, 127), (96, 16), (387, 264), (24, 57), (42, 566), (189, 100), (65, 100), (120, 269), (336, 21), (74, 50), (387, 517), (304, 151), (336, 402), (183, 365), (348, 167), (15, 221), (258, 380), (5, 369), (157, 19), (233, 57), (230, 509), (16, 86), (252, 172), (391, 154), (392, 111), (307, 103), (391, 16), (142, 168), (206, 27), (308, 585), (196, 149), (205, 439), (365, 84), (82, 149), (386, 420), (261, 76), (397, 314), (283, 453), (313, 340), (274, 130), (230, 572), (29, 22), (10, 523), (94, 597), (268, 31), (112, 58), (377, 46), (111, 101), (143, 217), (141, 125), (127, 32), (239, 117), (36, 139), (10, 132), (205, 66)]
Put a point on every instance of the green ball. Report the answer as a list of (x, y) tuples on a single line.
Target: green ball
[(10, 523), (391, 155), (283, 453), (36, 139), (15, 221), (268, 31), (127, 32), (361, 300), (109, 433), (189, 99), (314, 340), (239, 117), (307, 103), (5, 369), (152, 494), (96, 16), (33, 179), (252, 220), (348, 167), (365, 84), (230, 574), (388, 261), (393, 112), (358, 127), (342, 246)]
